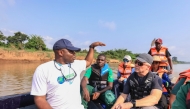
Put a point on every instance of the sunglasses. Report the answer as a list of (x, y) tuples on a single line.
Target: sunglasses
[(125, 60), (139, 63), (155, 63), (72, 73)]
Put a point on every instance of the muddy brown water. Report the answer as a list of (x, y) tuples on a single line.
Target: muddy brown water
[(16, 77)]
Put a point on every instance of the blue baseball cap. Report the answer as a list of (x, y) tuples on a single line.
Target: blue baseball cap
[(64, 44)]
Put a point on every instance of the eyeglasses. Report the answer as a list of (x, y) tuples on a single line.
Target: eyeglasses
[(155, 62), (72, 74), (139, 63), (125, 60)]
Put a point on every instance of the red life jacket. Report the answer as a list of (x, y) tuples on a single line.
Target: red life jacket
[(184, 74), (125, 72)]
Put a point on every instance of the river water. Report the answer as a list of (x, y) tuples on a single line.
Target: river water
[(16, 77)]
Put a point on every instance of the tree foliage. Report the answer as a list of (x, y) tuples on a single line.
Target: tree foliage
[(119, 53), (22, 41), (2, 39), (17, 40), (35, 42)]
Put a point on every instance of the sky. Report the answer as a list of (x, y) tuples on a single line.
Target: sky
[(123, 24)]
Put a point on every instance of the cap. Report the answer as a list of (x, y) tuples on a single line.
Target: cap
[(127, 57), (156, 58), (144, 57), (64, 43), (159, 40)]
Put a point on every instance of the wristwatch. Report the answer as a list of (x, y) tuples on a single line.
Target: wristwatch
[(91, 46), (134, 103)]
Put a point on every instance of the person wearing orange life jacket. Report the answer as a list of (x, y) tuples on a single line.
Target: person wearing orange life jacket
[(124, 71), (158, 68), (163, 53), (183, 78)]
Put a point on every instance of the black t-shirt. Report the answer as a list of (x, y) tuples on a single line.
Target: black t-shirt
[(156, 83), (167, 53)]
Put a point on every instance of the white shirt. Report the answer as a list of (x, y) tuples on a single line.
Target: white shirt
[(59, 94)]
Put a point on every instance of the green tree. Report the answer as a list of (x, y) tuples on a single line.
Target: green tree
[(17, 40), (119, 53), (35, 42), (2, 39)]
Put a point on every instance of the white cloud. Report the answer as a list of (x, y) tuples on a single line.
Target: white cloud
[(180, 52), (8, 32), (109, 25), (86, 43), (48, 41)]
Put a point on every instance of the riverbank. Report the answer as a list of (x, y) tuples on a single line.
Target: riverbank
[(36, 56), (14, 55), (21, 55)]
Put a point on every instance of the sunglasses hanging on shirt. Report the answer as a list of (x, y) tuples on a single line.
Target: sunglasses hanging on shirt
[(71, 72)]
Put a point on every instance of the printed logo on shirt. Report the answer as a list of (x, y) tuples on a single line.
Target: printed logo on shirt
[(69, 76), (60, 79)]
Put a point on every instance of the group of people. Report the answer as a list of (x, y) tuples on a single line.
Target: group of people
[(56, 84)]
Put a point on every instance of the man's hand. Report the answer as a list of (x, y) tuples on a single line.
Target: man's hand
[(95, 44), (171, 71), (86, 95), (95, 95), (127, 105), (121, 79)]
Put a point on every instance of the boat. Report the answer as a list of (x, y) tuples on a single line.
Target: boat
[(17, 101), (26, 101)]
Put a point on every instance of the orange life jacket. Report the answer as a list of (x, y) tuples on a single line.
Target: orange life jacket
[(161, 54), (125, 73), (160, 71), (184, 74)]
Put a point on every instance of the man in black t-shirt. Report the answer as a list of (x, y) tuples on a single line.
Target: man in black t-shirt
[(144, 87)]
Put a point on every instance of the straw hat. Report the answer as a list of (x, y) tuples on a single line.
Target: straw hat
[(132, 65), (156, 58)]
